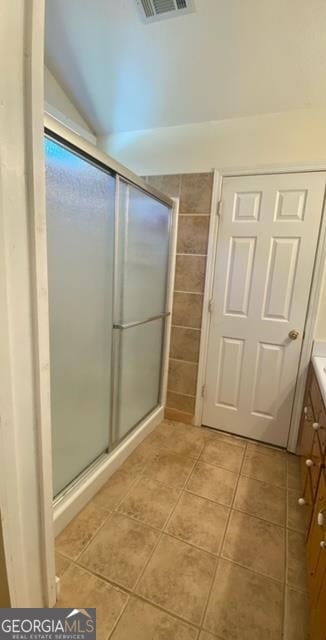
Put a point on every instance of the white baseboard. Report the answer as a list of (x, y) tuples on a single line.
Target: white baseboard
[(67, 506)]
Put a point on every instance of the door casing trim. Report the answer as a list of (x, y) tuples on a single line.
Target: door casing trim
[(313, 302)]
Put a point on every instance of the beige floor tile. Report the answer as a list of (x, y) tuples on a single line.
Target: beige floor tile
[(150, 501), (139, 458), (120, 550), (170, 468), (61, 565), (143, 621), (244, 605), (296, 560), (294, 473), (204, 635), (266, 449), (223, 454), (226, 437), (255, 544), (296, 615), (73, 539), (178, 578), (213, 482), (260, 499), (82, 590), (199, 521), (114, 490), (295, 513), (265, 467), (180, 438)]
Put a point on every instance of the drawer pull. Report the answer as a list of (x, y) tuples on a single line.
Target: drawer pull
[(305, 410), (309, 463), (316, 426), (321, 518), (323, 544), (301, 502)]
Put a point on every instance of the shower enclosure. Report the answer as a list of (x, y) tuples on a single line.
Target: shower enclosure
[(109, 239)]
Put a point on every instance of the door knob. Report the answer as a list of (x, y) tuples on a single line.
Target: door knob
[(294, 334)]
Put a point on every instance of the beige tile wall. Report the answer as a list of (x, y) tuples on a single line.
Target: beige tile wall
[(195, 193)]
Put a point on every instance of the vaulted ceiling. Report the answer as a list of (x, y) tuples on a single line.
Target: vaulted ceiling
[(230, 58)]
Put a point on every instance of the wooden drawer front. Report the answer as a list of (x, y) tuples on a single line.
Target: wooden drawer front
[(315, 458), (319, 414), (316, 399), (307, 501), (318, 612), (307, 436), (322, 434), (317, 554), (311, 458)]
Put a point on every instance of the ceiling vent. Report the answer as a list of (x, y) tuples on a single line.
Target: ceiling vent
[(153, 10)]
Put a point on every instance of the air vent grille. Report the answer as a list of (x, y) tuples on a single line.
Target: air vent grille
[(152, 10), (148, 8), (163, 6)]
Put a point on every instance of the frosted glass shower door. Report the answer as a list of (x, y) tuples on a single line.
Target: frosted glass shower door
[(140, 309), (80, 222)]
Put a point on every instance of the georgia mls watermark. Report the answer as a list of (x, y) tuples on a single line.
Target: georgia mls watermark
[(47, 624)]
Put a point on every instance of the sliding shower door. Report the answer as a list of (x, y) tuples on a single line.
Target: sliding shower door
[(142, 249), (108, 265), (80, 223)]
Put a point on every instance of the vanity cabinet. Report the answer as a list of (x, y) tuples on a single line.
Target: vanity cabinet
[(312, 449), (316, 554)]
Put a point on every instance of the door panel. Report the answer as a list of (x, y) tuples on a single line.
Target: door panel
[(139, 374), (241, 259), (283, 260), (142, 253), (80, 224), (265, 255)]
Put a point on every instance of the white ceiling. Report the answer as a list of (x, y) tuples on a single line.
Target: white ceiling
[(231, 58)]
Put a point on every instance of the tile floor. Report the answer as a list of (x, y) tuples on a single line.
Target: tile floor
[(197, 536)]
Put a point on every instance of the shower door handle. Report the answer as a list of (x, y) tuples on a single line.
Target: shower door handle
[(129, 325)]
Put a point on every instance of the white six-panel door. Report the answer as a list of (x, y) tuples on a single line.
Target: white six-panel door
[(266, 247)]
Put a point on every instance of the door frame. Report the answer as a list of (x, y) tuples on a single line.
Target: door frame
[(313, 302), (25, 436)]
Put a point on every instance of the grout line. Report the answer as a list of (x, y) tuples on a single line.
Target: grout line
[(269, 484), (164, 610), (119, 616), (108, 515), (194, 215), (253, 515), (192, 293), (181, 326), (162, 532), (183, 361), (185, 395), (223, 540), (277, 486), (193, 255), (257, 573)]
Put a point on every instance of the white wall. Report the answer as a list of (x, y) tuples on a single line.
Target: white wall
[(59, 105), (275, 139), (320, 328)]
